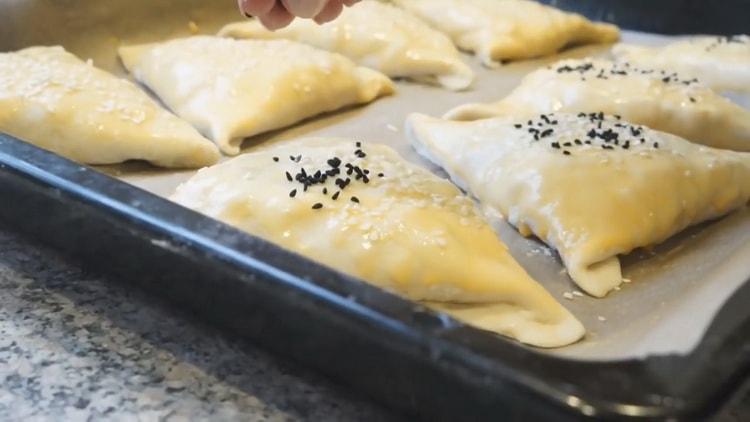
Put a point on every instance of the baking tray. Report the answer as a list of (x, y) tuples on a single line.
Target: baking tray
[(674, 343), (728, 17)]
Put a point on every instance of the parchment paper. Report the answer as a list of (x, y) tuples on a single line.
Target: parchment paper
[(675, 289)]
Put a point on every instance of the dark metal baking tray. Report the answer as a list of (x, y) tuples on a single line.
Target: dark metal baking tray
[(408, 358), (725, 17)]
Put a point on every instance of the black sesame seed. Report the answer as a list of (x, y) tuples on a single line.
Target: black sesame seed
[(381, 175), (518, 126), (325, 191), (317, 206), (289, 176), (656, 145), (692, 100), (336, 195), (276, 159), (293, 193), (355, 199), (566, 152)]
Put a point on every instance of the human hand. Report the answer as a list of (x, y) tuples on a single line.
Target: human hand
[(276, 14)]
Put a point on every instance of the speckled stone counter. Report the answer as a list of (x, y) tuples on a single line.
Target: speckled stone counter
[(76, 347)]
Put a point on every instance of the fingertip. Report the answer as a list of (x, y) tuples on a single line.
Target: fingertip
[(304, 8), (256, 7), (330, 12), (278, 17)]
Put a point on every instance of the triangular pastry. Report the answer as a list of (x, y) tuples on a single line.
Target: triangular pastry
[(52, 99), (376, 35), (722, 63), (659, 99), (230, 90), (592, 186), (364, 210), (498, 30)]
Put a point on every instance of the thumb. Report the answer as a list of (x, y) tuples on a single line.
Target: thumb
[(304, 8)]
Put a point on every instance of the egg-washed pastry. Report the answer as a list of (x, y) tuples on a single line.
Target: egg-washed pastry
[(50, 98), (658, 99), (590, 185), (377, 35), (233, 89), (498, 30), (722, 63), (364, 210)]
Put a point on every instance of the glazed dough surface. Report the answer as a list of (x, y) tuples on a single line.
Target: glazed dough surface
[(395, 225), (230, 90), (379, 36), (509, 29), (50, 98), (723, 63), (591, 186), (661, 100)]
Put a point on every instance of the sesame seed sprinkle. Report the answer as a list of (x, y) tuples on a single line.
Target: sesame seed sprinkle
[(599, 131), (590, 70), (734, 39), (337, 171)]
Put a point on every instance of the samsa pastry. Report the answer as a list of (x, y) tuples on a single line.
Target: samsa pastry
[(50, 98), (658, 99), (498, 30), (230, 90), (722, 63), (377, 35), (364, 210), (591, 186)]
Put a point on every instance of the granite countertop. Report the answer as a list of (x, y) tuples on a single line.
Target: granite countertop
[(74, 346)]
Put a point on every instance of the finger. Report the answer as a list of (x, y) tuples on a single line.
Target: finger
[(256, 7), (304, 8), (277, 18), (330, 12)]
